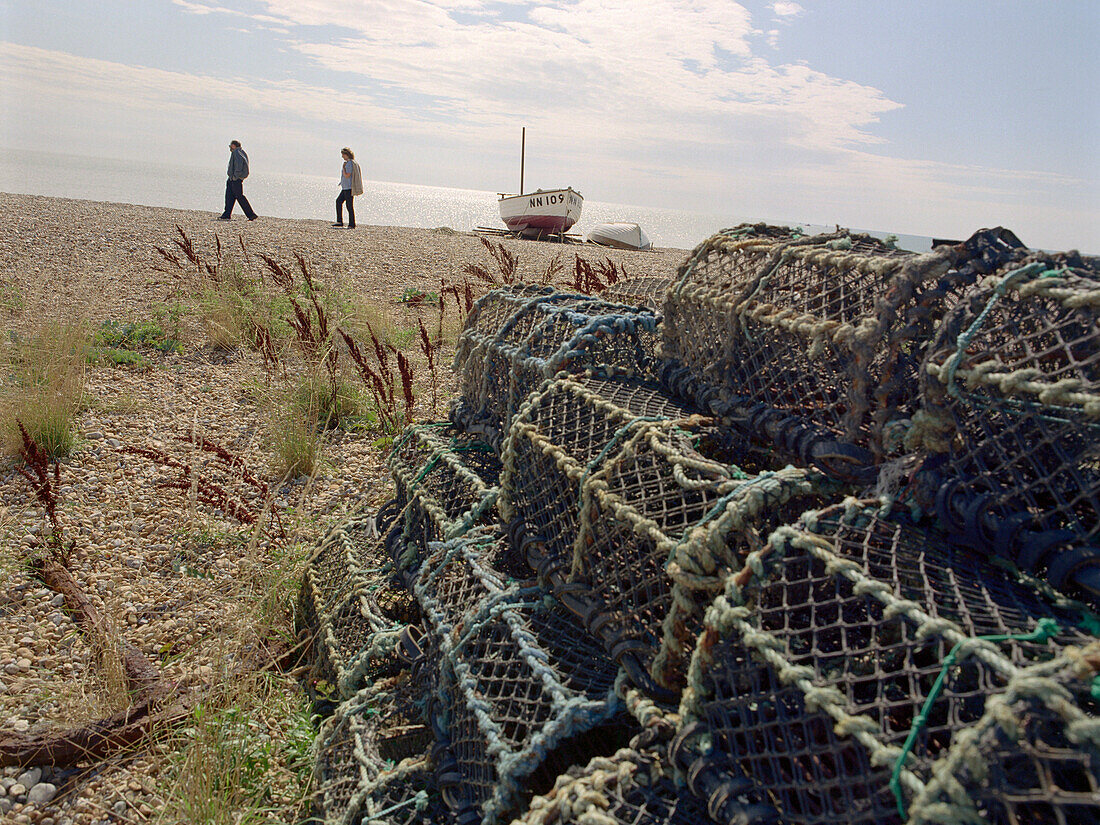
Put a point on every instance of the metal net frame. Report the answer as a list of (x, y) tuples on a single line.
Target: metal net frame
[(1010, 419), (516, 338), (828, 330), (351, 606), (372, 758), (642, 291), (522, 694), (628, 524), (446, 483), (847, 656)]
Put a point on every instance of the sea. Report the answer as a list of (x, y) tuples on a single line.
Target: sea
[(289, 195)]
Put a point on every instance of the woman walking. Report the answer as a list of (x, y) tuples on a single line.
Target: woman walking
[(351, 184)]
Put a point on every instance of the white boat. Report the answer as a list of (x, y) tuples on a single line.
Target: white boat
[(543, 212), (621, 234)]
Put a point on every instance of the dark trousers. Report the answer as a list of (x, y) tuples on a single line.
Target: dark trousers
[(349, 199), (234, 193)]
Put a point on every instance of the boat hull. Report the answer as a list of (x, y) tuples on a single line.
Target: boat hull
[(620, 234), (546, 212)]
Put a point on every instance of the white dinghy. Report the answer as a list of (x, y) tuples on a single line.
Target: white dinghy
[(620, 234)]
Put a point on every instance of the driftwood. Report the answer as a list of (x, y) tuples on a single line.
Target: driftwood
[(155, 705), (98, 738), (141, 674)]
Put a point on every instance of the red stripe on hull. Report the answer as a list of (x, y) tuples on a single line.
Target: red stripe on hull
[(545, 223)]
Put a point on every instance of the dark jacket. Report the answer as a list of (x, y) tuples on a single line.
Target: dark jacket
[(238, 165)]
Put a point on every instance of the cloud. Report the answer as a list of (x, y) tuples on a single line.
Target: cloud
[(784, 9), (638, 72)]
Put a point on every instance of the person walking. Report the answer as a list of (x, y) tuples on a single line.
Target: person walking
[(351, 184), (234, 186)]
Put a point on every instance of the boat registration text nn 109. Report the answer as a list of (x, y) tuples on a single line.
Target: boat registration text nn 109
[(551, 199)]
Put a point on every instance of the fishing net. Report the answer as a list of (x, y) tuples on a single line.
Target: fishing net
[(522, 693), (814, 341), (628, 523), (516, 338), (446, 483), (851, 652), (1011, 418), (642, 291), (371, 758), (350, 606)]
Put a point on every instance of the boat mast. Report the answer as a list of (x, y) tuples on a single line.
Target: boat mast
[(522, 150)]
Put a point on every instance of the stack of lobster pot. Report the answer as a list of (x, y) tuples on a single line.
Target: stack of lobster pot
[(1010, 420), (722, 567), (612, 498), (813, 344), (862, 670)]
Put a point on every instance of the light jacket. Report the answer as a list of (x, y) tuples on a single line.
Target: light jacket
[(356, 179), (238, 165)]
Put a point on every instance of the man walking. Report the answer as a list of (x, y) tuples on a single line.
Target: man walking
[(234, 186)]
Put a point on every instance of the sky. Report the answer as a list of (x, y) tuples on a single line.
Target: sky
[(934, 117)]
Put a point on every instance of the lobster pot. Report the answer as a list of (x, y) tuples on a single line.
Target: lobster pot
[(351, 608), (371, 756), (628, 524), (630, 787), (827, 331), (555, 436), (516, 338), (522, 695), (342, 555), (811, 679), (643, 291), (1011, 418), (446, 483)]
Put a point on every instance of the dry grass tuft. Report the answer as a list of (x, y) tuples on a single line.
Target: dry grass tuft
[(44, 386)]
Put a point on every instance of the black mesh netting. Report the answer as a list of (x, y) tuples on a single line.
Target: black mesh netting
[(1011, 418), (817, 665), (628, 524), (517, 337), (446, 483), (521, 694), (827, 329)]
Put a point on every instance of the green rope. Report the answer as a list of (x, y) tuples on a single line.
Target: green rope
[(718, 507), (1087, 621), (963, 341), (1022, 406), (1044, 629)]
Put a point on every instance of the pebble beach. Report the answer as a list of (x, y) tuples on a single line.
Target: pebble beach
[(171, 574)]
